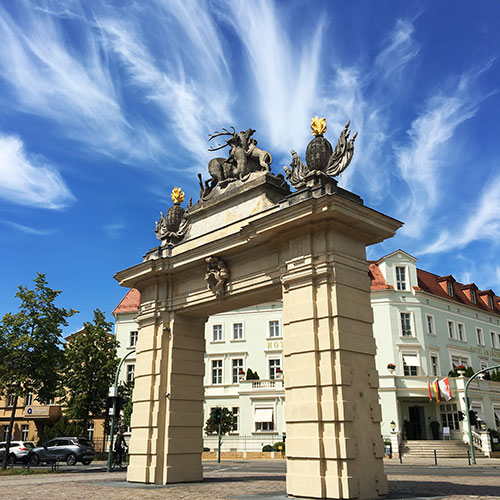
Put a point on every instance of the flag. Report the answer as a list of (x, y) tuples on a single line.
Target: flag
[(444, 388), (429, 387), (435, 386)]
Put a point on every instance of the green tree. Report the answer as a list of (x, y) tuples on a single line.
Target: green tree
[(89, 369), (212, 423), (30, 346), (125, 391)]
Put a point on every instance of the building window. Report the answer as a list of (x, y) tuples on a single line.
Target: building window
[(473, 296), (400, 278), (483, 364), (490, 301), (430, 325), (451, 329), (217, 333), (274, 364), (405, 325), (28, 401), (450, 288), (51, 401), (449, 416), (434, 364), (274, 328), (237, 331), (480, 338), (410, 365), (237, 366), (24, 432), (236, 416), (461, 332), (459, 360), (493, 342), (133, 339), (130, 373), (217, 371), (90, 431), (10, 399), (5, 432), (496, 411), (264, 420)]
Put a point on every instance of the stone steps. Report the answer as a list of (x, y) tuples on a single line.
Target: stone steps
[(444, 449)]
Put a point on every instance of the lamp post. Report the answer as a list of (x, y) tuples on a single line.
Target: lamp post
[(469, 429), (114, 394)]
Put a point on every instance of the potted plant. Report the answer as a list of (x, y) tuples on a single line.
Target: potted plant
[(241, 375), (461, 369), (279, 373), (434, 425), (391, 367)]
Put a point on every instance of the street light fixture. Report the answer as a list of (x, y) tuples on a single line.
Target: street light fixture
[(393, 425)]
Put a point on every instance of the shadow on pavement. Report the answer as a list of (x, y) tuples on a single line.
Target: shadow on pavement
[(418, 489)]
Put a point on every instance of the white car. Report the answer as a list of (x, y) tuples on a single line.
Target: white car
[(18, 451)]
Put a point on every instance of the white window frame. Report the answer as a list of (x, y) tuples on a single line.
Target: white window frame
[(461, 332), (132, 338), (483, 363), (493, 339), (25, 431), (236, 419), (460, 359), (272, 370), (410, 324), (29, 400), (401, 284), (221, 368), (5, 432), (417, 369), (432, 329), (434, 354), (256, 426), (449, 286), (130, 374), (490, 302), (479, 336), (90, 431), (452, 332), (272, 329), (233, 359), (473, 296), (239, 339), (221, 325)]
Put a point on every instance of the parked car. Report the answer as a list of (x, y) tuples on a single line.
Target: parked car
[(18, 451), (68, 449)]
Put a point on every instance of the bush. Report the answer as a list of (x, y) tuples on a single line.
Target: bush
[(276, 446), (267, 447)]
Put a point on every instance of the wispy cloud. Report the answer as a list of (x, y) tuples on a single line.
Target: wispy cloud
[(114, 230), (482, 224), (421, 163), (27, 229), (26, 181)]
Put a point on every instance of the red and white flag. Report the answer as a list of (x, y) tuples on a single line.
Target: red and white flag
[(444, 388)]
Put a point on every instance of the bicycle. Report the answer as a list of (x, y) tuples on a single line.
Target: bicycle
[(120, 460)]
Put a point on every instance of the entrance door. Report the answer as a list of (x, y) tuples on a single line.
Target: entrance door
[(416, 429)]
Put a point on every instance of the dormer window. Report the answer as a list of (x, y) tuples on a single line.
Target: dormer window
[(490, 301), (450, 288), (400, 278), (473, 296)]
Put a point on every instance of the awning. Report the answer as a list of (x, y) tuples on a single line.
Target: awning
[(263, 414), (478, 410), (497, 413), (411, 360)]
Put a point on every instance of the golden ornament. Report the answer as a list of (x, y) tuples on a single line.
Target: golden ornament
[(318, 126), (177, 195)]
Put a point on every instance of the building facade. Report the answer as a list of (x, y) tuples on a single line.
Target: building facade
[(426, 325)]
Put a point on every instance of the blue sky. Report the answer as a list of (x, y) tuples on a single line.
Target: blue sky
[(107, 105)]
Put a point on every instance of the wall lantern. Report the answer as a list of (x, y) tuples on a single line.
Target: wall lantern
[(393, 425)]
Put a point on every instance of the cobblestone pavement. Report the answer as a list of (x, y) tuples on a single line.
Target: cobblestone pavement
[(224, 485)]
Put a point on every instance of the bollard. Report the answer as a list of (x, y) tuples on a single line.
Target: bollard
[(468, 456), (435, 458), (400, 454)]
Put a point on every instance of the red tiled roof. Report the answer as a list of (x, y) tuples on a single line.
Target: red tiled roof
[(378, 280), (129, 303)]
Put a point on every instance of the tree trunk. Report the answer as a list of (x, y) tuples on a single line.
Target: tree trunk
[(11, 428)]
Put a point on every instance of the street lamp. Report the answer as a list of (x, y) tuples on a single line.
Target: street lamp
[(469, 429)]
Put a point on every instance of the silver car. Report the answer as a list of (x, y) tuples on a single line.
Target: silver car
[(68, 449), (18, 451)]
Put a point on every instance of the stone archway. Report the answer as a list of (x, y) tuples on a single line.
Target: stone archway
[(307, 248)]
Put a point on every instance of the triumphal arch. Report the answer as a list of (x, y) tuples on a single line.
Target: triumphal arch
[(249, 239)]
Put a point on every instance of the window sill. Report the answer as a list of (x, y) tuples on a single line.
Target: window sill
[(217, 341), (407, 337), (264, 432), (274, 338), (238, 340)]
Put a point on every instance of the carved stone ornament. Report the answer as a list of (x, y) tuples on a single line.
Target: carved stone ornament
[(171, 228), (217, 275), (244, 158), (322, 162)]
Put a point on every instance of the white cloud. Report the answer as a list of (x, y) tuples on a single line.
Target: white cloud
[(483, 223), (27, 182), (421, 163), (27, 229)]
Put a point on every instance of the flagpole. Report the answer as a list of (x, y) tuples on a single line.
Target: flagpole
[(469, 428)]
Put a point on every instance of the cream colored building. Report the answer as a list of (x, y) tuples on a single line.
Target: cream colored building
[(423, 323)]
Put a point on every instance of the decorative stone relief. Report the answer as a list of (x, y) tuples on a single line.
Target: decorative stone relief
[(171, 228), (322, 162), (217, 275), (244, 159)]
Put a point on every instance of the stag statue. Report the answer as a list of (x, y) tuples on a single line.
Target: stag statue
[(244, 158)]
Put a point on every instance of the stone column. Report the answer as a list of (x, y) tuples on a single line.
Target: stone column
[(334, 445), (167, 419)]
